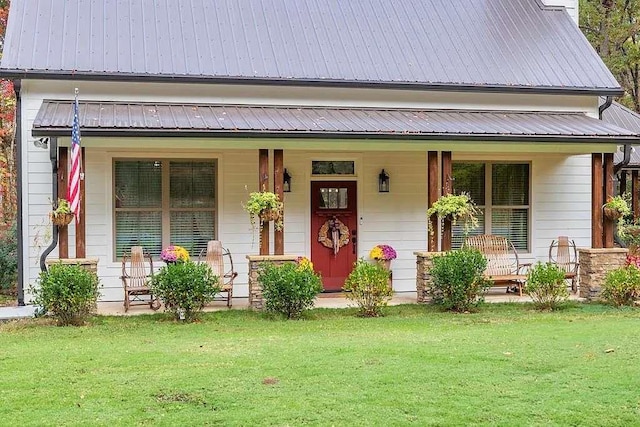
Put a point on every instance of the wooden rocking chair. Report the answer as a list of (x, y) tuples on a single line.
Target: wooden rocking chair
[(564, 254), (214, 257), (137, 269)]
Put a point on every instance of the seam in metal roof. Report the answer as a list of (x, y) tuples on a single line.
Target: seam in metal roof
[(471, 44), (118, 118)]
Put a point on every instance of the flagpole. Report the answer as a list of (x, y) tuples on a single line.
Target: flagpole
[(75, 170)]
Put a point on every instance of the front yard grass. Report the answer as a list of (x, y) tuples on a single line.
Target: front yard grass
[(506, 365)]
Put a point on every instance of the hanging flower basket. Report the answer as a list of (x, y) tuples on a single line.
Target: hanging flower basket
[(612, 214), (61, 215), (61, 219), (270, 215), (264, 206)]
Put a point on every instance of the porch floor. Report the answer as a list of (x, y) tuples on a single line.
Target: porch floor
[(337, 300)]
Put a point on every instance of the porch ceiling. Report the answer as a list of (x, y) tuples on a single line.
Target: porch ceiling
[(156, 119)]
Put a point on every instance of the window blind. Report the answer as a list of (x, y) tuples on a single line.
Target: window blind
[(505, 207), (138, 203), (152, 194)]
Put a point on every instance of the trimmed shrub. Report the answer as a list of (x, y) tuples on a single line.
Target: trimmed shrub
[(289, 288), (8, 258), (546, 286), (185, 288), (458, 280), (622, 286), (368, 285), (67, 292)]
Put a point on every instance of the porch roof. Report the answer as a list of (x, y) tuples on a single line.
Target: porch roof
[(156, 119), (621, 116)]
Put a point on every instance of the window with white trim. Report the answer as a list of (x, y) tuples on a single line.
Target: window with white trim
[(164, 202), (502, 193)]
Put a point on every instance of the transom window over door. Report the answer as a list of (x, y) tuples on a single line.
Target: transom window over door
[(501, 191), (163, 202)]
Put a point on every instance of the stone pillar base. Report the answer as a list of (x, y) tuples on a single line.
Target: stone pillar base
[(255, 288), (90, 264), (594, 266), (424, 261)]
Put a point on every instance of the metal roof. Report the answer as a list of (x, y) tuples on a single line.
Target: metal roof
[(466, 44), (117, 119), (619, 115)]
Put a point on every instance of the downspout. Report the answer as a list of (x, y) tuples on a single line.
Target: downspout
[(53, 157), (17, 86)]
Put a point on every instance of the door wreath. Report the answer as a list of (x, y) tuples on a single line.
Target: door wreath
[(334, 234)]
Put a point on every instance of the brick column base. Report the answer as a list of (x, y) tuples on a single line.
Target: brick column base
[(424, 261), (594, 266)]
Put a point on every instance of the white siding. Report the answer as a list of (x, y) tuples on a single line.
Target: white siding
[(561, 182)]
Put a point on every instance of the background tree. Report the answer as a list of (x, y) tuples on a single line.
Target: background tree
[(612, 28), (8, 200), (8, 194)]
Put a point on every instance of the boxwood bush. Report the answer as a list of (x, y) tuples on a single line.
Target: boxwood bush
[(8, 258), (67, 292), (458, 283), (368, 285), (546, 286), (622, 286), (185, 288), (289, 288)]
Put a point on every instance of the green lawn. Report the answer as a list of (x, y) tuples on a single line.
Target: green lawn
[(506, 365)]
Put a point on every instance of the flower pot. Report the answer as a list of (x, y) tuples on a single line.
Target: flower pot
[(270, 215), (611, 214), (61, 219)]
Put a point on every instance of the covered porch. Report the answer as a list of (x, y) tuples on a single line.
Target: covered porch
[(417, 148)]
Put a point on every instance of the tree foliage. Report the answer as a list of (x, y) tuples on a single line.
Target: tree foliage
[(612, 27), (8, 200)]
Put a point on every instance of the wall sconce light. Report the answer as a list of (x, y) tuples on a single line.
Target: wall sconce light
[(41, 143), (383, 182), (286, 187)]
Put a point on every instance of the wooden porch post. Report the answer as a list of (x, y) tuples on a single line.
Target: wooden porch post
[(263, 185), (635, 187), (63, 232), (596, 200), (608, 192), (447, 188), (81, 245), (278, 188), (432, 196)]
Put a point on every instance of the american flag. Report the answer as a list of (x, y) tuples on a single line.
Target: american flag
[(73, 189)]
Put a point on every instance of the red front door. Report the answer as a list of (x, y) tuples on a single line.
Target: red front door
[(334, 223)]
